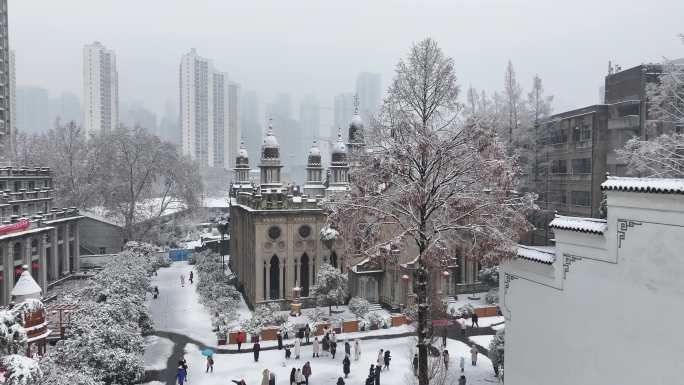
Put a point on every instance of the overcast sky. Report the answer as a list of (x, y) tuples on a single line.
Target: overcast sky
[(319, 46)]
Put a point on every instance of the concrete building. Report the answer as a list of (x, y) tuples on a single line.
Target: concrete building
[(275, 242), (578, 147), (6, 76), (369, 91), (100, 89), (33, 232), (32, 110), (13, 93), (206, 100), (578, 313), (99, 235)]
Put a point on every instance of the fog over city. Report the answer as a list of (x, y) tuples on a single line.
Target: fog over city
[(319, 47)]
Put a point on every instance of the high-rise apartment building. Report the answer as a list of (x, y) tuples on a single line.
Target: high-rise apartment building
[(205, 106), (13, 91), (6, 129), (369, 91), (100, 89), (344, 109)]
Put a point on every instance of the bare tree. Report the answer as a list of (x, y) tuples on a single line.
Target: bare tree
[(432, 180), (513, 103)]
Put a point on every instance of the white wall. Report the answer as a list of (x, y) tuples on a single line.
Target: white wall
[(615, 317)]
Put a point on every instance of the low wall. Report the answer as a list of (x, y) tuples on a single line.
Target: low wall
[(398, 320), (350, 326), (489, 311)]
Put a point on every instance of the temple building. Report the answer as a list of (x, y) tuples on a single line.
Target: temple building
[(275, 242)]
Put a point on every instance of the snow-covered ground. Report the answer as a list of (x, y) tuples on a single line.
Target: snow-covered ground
[(325, 370), (463, 300), (482, 340), (157, 352), (484, 322)]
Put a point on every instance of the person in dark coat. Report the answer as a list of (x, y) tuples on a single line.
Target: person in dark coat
[(346, 364), (271, 379), (180, 375), (347, 348), (256, 348), (184, 364), (474, 319), (280, 340), (340, 381), (288, 352), (156, 292), (370, 380), (306, 371), (191, 277), (292, 376), (333, 349), (444, 337), (445, 356), (462, 380), (387, 358), (300, 333), (326, 345), (307, 333), (415, 364), (378, 369)]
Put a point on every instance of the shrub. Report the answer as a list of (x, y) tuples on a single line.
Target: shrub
[(359, 306)]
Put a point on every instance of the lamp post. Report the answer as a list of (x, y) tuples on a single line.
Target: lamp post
[(296, 307), (223, 229)]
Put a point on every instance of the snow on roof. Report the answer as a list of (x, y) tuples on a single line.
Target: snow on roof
[(97, 217), (538, 254), (215, 202), (644, 185), (583, 225), (26, 286)]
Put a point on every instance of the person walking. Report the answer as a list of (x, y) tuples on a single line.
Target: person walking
[(346, 365), (340, 381), (387, 358), (333, 349), (381, 359), (210, 364), (293, 374), (333, 337), (156, 292), (182, 280), (461, 364), (182, 362), (357, 349), (180, 375), (307, 333), (415, 364), (306, 371), (279, 335), (240, 339), (191, 277), (462, 323), (370, 380), (326, 345), (297, 348), (288, 352), (475, 319), (347, 348), (265, 377), (444, 337), (445, 356), (378, 369), (473, 354), (299, 377), (271, 379), (462, 380), (256, 348), (316, 347)]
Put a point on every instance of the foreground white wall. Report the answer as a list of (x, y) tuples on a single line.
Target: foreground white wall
[(610, 308)]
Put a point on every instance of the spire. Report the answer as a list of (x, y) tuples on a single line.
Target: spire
[(356, 104)]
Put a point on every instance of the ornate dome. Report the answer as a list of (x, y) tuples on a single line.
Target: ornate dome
[(314, 156), (339, 147), (242, 153), (270, 149)]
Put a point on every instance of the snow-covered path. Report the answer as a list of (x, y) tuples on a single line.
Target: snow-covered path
[(180, 318)]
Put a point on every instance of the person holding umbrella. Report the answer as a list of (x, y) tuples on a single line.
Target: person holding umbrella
[(210, 359)]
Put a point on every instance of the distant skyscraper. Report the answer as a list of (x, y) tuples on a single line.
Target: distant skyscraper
[(169, 129), (310, 119), (6, 74), (13, 92), (234, 130), (32, 110), (344, 109), (134, 114), (369, 90), (66, 107), (100, 89), (205, 107)]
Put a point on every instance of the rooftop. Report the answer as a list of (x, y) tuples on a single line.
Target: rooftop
[(644, 185), (582, 225), (545, 255)]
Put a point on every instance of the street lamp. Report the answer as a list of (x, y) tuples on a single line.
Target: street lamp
[(223, 229)]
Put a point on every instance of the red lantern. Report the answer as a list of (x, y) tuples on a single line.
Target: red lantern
[(35, 265)]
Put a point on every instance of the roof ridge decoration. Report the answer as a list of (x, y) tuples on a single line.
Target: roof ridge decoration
[(579, 224), (644, 185), (537, 254)]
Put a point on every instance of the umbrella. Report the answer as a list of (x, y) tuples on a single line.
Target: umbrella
[(207, 352)]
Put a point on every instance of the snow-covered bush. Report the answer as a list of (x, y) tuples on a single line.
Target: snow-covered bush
[(330, 287), (492, 296), (359, 306), (21, 370), (216, 292), (466, 311), (489, 276), (496, 349), (329, 234), (375, 319), (12, 335)]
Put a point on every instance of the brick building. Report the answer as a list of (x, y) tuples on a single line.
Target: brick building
[(32, 231)]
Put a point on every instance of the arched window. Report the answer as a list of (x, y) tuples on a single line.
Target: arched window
[(333, 259), (304, 275), (274, 278)]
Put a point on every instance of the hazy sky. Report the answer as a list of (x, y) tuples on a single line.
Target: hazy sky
[(307, 46)]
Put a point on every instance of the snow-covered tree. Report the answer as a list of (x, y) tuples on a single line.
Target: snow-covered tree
[(662, 156), (496, 350), (514, 104), (58, 372), (331, 286), (359, 306), (489, 275), (435, 180), (13, 337), (20, 370)]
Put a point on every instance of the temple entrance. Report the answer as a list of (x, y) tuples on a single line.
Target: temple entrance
[(304, 275), (368, 289), (274, 278)]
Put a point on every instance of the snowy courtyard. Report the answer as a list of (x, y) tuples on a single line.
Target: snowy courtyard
[(181, 320)]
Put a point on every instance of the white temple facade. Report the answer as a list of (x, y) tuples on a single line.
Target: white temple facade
[(604, 306)]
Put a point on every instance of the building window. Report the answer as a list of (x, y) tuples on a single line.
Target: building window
[(304, 231), (31, 185), (581, 166), (580, 198), (17, 185), (559, 166), (103, 250), (274, 232)]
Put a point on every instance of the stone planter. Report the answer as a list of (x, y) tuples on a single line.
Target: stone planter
[(398, 320), (269, 333), (350, 326), (320, 328)]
